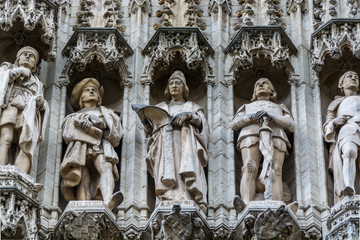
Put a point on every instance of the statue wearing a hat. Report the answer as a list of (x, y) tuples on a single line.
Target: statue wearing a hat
[(88, 169), (177, 150), (23, 110)]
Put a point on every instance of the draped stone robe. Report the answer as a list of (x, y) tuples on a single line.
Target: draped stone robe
[(182, 178)]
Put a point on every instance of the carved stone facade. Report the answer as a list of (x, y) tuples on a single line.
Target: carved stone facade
[(222, 47)]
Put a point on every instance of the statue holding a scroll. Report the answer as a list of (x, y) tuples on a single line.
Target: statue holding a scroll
[(177, 147), (23, 110), (262, 140), (342, 130), (88, 169)]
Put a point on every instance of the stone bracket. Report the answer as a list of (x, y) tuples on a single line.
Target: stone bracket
[(332, 38), (87, 220), (167, 41), (182, 220), (19, 208), (269, 41), (106, 45), (267, 220)]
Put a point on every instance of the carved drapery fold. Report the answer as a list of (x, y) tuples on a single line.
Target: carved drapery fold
[(31, 14), (270, 42), (161, 50), (332, 38), (106, 45)]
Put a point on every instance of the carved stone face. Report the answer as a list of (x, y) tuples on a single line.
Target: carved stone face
[(351, 81), (90, 94), (176, 89), (27, 59), (263, 87)]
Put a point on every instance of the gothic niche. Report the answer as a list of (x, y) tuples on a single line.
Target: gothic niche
[(262, 53), (178, 53), (27, 23), (334, 51), (99, 54)]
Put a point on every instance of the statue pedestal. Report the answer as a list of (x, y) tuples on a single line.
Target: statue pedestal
[(87, 220), (267, 220), (19, 207), (343, 222), (177, 220)]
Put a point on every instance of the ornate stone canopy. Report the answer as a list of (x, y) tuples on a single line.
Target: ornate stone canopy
[(31, 23), (105, 45), (251, 42), (167, 42), (332, 39)]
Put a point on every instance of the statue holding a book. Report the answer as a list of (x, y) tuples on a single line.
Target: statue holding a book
[(177, 148)]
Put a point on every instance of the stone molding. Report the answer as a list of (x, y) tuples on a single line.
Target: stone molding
[(87, 220), (106, 45), (144, 5), (215, 4), (292, 5), (19, 207), (31, 14), (166, 42), (332, 38), (269, 41)]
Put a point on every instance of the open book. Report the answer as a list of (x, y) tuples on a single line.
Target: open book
[(158, 117)]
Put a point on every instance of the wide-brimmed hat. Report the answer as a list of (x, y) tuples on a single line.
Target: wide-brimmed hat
[(79, 87)]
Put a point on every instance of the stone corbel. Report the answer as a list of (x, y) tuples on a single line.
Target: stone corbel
[(167, 42), (19, 207), (271, 42), (332, 38), (31, 14), (271, 220), (106, 45), (178, 222), (87, 220)]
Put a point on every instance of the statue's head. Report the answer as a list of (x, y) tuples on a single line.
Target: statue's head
[(349, 80), (87, 90), (177, 86), (27, 57), (263, 86)]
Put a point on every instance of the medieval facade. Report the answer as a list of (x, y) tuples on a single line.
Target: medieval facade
[(222, 47)]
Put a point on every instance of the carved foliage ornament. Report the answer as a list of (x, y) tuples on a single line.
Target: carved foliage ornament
[(113, 15), (167, 42), (332, 38), (246, 14), (31, 13), (273, 12), (85, 13), (270, 42), (106, 46), (171, 11)]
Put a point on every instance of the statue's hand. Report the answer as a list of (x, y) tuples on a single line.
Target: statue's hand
[(260, 114), (40, 101), (19, 74), (86, 125), (181, 119), (340, 120), (97, 122)]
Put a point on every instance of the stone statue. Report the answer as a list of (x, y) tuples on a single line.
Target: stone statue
[(342, 130), (177, 147), (23, 110), (262, 124), (88, 169)]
